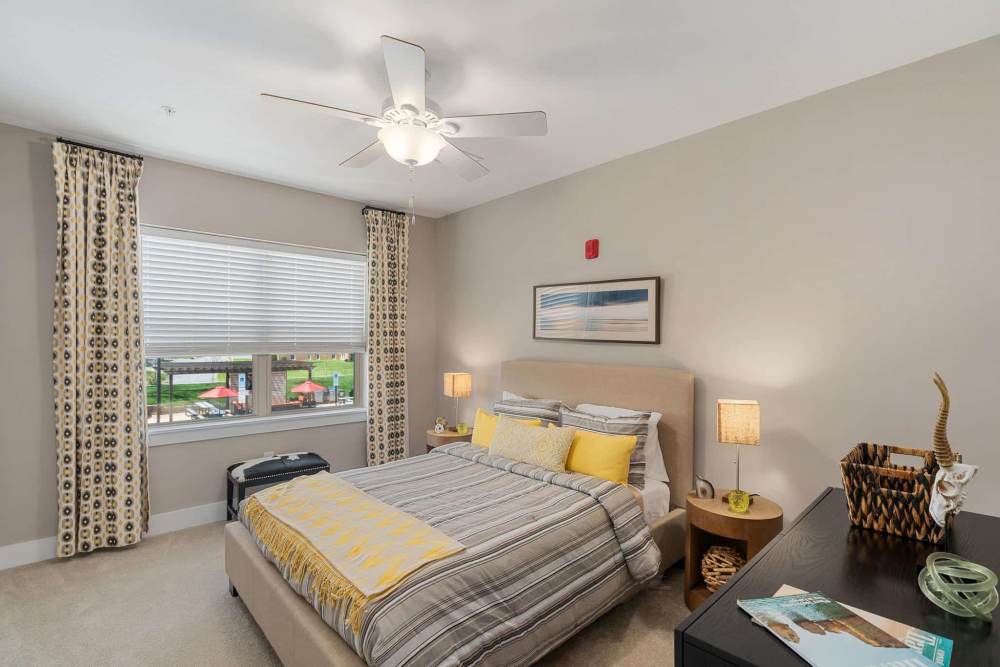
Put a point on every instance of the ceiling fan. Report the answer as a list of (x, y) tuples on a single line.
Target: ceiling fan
[(412, 128)]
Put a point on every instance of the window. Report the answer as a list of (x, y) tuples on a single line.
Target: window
[(312, 381), (186, 389), (248, 331)]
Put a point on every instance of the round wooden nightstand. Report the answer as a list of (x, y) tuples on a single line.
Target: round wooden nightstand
[(435, 439), (712, 522)]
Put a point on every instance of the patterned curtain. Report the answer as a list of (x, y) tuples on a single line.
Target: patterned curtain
[(99, 381), (388, 246)]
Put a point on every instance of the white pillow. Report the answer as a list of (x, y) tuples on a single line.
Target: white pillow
[(511, 396), (655, 467)]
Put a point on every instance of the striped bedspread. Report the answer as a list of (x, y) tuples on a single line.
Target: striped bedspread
[(546, 553)]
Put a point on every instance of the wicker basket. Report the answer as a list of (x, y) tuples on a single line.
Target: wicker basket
[(890, 498)]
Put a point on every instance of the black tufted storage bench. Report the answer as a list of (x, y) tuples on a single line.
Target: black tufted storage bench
[(268, 470)]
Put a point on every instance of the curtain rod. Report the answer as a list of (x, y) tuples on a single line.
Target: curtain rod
[(98, 148), (386, 210)]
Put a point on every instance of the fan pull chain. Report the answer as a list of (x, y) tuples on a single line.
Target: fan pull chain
[(413, 198)]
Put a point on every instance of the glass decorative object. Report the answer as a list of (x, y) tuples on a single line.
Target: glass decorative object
[(959, 586), (739, 501)]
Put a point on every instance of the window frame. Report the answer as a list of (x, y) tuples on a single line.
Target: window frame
[(195, 432), (263, 420)]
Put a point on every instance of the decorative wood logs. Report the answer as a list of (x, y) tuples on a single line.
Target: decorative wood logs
[(718, 564)]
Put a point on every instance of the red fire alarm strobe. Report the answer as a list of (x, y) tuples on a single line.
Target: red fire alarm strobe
[(592, 248)]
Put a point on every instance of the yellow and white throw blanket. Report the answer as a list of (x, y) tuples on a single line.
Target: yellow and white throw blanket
[(353, 546)]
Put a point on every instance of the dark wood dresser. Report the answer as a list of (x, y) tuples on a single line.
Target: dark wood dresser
[(822, 551)]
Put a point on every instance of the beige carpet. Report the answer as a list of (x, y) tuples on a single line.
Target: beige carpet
[(164, 602)]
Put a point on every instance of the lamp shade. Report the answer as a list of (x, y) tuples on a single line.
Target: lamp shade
[(738, 422), (458, 385), (411, 145)]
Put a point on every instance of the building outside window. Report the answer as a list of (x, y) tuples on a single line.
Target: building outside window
[(239, 329)]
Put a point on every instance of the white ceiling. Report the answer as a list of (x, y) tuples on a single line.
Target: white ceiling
[(614, 77)]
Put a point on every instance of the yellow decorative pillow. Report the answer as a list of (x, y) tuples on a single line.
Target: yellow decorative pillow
[(601, 455), (545, 447), (486, 423)]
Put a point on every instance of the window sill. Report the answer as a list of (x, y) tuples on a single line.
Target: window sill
[(173, 435)]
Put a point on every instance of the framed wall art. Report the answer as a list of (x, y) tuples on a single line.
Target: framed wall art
[(603, 311)]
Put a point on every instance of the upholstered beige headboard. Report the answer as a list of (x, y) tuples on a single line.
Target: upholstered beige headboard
[(664, 390)]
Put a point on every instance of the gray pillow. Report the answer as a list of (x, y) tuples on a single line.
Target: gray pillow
[(530, 408), (636, 424)]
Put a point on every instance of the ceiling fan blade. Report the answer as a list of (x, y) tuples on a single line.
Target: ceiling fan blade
[(405, 64), (455, 158), (523, 124), (365, 156), (315, 106)]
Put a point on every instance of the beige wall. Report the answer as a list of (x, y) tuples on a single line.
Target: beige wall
[(176, 195), (825, 257)]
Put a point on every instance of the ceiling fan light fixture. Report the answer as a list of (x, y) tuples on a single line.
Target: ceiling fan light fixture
[(411, 145), (412, 128)]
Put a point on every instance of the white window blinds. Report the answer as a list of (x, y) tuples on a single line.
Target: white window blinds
[(213, 295)]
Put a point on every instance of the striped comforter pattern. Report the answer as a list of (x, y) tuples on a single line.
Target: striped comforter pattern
[(546, 553)]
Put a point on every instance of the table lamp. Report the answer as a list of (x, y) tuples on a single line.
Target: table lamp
[(457, 386), (738, 424)]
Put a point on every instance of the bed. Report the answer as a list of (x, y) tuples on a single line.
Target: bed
[(301, 636)]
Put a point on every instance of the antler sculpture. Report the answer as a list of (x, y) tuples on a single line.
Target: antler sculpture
[(952, 478), (942, 450)]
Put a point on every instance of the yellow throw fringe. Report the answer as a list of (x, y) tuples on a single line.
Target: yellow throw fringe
[(293, 551)]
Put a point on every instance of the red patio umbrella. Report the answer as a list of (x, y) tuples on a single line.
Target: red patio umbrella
[(219, 392), (307, 387)]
